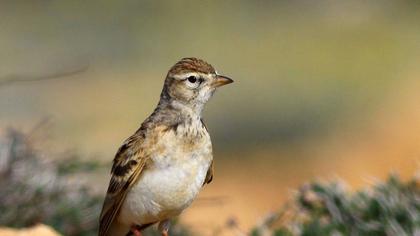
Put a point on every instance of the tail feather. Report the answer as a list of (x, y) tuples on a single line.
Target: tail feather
[(118, 229)]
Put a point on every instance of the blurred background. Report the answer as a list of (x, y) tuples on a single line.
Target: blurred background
[(323, 89)]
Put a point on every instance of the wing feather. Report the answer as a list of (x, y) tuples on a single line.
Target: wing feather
[(209, 175), (128, 165)]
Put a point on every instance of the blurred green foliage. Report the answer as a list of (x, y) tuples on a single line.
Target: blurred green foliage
[(37, 189), (389, 208)]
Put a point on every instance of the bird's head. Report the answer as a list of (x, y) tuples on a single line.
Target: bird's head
[(192, 82)]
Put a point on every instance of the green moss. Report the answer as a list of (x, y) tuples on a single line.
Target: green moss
[(388, 208)]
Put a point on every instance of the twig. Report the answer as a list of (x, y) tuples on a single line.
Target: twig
[(10, 79)]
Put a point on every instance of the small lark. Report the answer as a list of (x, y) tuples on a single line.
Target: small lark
[(160, 169)]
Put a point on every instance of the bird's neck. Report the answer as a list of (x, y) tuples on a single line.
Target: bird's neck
[(191, 110)]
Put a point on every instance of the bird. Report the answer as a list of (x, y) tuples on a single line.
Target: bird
[(160, 169)]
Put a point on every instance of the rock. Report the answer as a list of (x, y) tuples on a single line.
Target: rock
[(38, 230)]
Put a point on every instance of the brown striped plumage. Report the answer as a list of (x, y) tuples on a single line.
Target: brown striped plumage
[(157, 172), (191, 64)]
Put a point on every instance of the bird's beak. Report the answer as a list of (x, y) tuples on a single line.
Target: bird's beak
[(221, 80)]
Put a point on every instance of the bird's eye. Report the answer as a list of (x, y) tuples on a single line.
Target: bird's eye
[(192, 79)]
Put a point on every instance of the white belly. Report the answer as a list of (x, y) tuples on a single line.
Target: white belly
[(164, 191)]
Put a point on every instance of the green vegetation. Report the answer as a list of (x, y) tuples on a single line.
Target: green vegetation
[(389, 208), (40, 190), (37, 189)]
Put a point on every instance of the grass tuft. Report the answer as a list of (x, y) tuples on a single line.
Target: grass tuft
[(387, 208)]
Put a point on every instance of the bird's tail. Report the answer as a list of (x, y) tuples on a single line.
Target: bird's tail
[(118, 229)]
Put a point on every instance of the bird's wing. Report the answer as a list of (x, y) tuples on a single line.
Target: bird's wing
[(209, 175), (128, 165)]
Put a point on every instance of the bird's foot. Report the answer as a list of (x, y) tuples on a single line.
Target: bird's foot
[(164, 227), (135, 230)]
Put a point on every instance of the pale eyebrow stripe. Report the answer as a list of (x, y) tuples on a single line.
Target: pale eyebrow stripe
[(186, 75)]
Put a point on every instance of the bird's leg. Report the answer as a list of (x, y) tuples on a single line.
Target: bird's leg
[(164, 227), (135, 230)]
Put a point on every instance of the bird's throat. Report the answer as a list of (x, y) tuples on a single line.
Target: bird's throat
[(189, 109)]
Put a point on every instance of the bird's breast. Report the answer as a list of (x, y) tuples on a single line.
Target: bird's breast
[(171, 180)]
